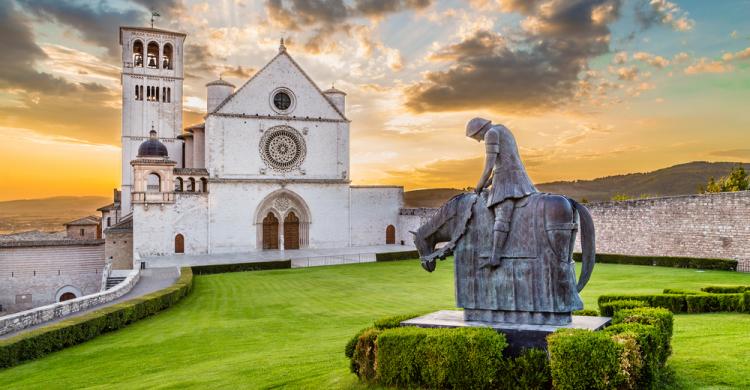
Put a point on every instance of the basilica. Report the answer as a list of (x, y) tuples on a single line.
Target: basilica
[(268, 169)]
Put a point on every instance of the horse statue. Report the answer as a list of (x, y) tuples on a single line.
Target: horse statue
[(535, 282)]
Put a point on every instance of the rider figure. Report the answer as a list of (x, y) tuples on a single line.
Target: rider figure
[(509, 179)]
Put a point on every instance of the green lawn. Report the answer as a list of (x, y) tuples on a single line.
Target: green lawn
[(287, 328)]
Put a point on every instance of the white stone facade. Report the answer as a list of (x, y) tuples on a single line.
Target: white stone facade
[(271, 171)]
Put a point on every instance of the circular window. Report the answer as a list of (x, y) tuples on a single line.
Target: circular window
[(282, 100), (282, 148)]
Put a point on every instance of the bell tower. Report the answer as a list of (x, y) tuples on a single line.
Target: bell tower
[(152, 75)]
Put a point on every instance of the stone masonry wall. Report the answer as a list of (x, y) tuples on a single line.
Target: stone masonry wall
[(710, 225)]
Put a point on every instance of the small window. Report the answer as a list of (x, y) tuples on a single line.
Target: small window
[(282, 101), (137, 93), (153, 183), (109, 221), (138, 54), (140, 96), (67, 296), (167, 57), (204, 184), (178, 185), (83, 232), (169, 95), (191, 185)]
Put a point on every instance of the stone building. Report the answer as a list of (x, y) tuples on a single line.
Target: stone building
[(267, 170), (86, 228), (39, 268)]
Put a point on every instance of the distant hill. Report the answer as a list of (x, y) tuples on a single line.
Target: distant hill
[(46, 214), (680, 179)]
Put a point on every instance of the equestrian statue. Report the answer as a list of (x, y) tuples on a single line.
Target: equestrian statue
[(512, 244)]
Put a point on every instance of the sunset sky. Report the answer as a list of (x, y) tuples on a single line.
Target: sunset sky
[(589, 87)]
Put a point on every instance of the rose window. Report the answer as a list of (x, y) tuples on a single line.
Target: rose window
[(282, 148)]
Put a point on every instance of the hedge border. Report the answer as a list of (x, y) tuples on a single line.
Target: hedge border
[(682, 303), (665, 261), (241, 267), (394, 256), (42, 341)]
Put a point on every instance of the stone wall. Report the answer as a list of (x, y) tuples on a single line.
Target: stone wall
[(119, 248), (710, 225), (373, 208), (25, 319), (32, 273)]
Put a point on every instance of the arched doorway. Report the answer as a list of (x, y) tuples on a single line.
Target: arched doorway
[(291, 231), (179, 244), (390, 234), (270, 232), (67, 296)]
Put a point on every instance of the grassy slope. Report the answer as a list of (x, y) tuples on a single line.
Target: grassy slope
[(288, 328)]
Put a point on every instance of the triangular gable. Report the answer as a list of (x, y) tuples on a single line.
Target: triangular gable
[(254, 95)]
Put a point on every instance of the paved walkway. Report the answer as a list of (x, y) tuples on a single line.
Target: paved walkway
[(151, 280), (307, 257)]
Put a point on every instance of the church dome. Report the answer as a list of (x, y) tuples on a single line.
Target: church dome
[(152, 147)]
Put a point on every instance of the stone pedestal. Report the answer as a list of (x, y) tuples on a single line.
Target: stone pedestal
[(519, 336)]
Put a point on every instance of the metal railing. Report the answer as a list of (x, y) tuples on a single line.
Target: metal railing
[(318, 261)]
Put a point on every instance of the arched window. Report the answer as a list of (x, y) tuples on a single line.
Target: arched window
[(138, 54), (169, 95), (153, 183), (204, 184), (137, 93), (67, 296), (141, 94), (166, 61), (191, 185), (178, 185), (156, 89), (152, 55), (164, 94), (109, 221), (390, 234), (179, 243)]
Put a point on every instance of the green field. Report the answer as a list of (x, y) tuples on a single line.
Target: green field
[(287, 328)]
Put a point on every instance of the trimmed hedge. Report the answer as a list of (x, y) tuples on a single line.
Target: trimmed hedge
[(442, 358), (610, 308), (680, 291), (676, 303), (47, 339), (241, 267), (587, 313), (632, 353), (725, 289), (665, 261), (393, 256)]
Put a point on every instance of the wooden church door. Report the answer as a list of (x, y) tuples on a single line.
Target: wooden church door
[(179, 244), (291, 231), (390, 234), (270, 232)]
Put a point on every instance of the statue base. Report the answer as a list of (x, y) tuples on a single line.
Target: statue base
[(519, 336), (517, 317)]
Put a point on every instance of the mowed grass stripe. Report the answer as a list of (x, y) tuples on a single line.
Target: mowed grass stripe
[(287, 328)]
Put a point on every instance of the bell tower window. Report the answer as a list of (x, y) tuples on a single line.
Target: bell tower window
[(166, 62), (152, 55), (138, 54)]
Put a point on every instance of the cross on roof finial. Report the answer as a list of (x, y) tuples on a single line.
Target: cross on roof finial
[(154, 14), (282, 48)]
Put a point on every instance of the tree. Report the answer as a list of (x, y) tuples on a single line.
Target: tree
[(737, 180)]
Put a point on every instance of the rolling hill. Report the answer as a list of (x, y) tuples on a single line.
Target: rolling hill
[(47, 214), (675, 180)]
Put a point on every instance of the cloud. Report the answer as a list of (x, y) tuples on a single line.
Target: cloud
[(21, 53), (620, 58), (705, 65), (628, 73), (96, 22), (662, 12), (238, 71), (539, 70), (439, 173), (740, 55), (651, 59)]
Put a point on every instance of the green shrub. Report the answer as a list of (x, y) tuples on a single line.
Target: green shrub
[(530, 370), (352, 343), (674, 302), (47, 339), (439, 358), (745, 302), (681, 291), (659, 317), (725, 289), (241, 267), (707, 303), (608, 309), (586, 312), (581, 359), (363, 358), (393, 256), (665, 261), (394, 321)]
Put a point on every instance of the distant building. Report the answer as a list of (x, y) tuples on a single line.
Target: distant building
[(268, 169)]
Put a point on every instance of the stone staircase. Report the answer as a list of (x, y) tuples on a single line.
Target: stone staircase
[(114, 281)]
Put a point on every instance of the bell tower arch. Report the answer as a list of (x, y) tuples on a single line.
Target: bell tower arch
[(152, 77)]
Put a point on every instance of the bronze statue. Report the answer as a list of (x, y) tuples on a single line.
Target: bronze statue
[(512, 244)]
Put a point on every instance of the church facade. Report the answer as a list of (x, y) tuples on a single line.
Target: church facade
[(269, 168)]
